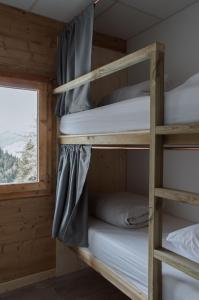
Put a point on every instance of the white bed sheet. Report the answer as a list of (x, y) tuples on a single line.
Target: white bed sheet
[(181, 106), (126, 252)]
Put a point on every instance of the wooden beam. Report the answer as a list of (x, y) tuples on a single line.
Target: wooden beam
[(182, 139), (180, 196), (131, 138), (178, 129), (179, 262), (156, 171), (138, 138), (109, 42), (120, 64)]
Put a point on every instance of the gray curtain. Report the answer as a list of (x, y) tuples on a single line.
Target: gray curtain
[(74, 60), (70, 217)]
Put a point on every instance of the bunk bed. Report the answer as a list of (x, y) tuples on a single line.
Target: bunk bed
[(155, 138)]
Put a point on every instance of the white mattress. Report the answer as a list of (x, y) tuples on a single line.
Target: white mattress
[(126, 252), (181, 106)]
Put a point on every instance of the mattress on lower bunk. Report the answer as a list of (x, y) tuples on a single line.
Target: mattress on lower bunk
[(181, 106), (126, 252)]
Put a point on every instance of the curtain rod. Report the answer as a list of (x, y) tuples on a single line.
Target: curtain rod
[(118, 148), (96, 1), (180, 148)]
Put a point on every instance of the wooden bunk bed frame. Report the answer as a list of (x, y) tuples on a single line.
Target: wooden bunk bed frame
[(155, 138)]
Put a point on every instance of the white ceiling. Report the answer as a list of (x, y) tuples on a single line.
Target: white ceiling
[(119, 18)]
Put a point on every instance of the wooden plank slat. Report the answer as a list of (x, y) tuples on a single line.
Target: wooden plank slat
[(189, 128), (131, 138), (156, 171), (26, 246), (179, 262), (191, 139), (120, 64), (175, 195), (138, 138), (129, 289)]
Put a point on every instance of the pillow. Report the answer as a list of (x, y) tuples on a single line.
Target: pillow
[(127, 92), (193, 80), (123, 209), (130, 92), (186, 241)]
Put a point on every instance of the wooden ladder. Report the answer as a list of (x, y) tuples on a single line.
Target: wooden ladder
[(157, 254)]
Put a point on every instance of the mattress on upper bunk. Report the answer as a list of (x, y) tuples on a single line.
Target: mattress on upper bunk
[(126, 252), (181, 106)]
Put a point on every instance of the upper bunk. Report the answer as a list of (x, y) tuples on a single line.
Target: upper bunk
[(184, 133)]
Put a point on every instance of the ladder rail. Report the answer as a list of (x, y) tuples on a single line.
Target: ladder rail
[(157, 254), (177, 261), (178, 196), (156, 172), (189, 128)]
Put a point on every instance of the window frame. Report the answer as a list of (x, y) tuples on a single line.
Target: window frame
[(44, 125)]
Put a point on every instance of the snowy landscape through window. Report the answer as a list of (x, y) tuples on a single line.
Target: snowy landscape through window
[(18, 135)]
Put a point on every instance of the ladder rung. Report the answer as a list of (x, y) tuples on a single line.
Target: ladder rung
[(179, 262), (178, 129), (175, 195)]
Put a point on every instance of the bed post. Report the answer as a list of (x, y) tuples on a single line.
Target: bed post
[(156, 170)]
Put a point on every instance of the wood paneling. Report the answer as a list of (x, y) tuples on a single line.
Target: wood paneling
[(107, 171), (25, 243), (27, 50), (27, 43)]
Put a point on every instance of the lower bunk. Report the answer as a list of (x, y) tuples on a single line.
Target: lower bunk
[(121, 256)]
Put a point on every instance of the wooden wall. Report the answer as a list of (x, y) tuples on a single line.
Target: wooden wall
[(107, 171), (25, 244), (27, 49), (27, 43)]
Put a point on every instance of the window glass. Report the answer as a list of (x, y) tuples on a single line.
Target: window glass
[(18, 136)]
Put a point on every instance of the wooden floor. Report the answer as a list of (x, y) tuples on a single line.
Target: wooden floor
[(82, 285)]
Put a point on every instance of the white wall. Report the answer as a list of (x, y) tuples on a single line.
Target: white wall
[(180, 33), (181, 171)]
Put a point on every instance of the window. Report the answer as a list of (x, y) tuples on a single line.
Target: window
[(23, 135), (18, 135)]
